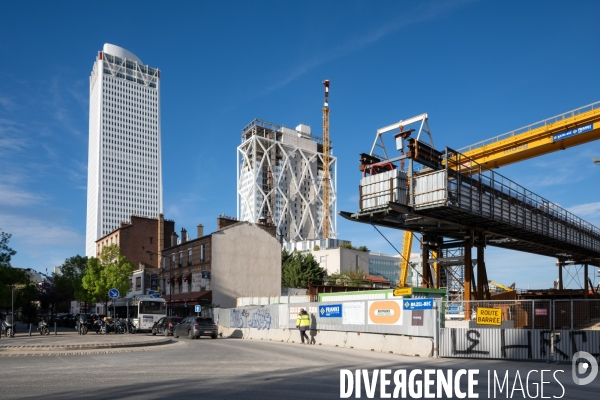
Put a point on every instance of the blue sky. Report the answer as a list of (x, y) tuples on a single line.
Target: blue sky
[(478, 68)]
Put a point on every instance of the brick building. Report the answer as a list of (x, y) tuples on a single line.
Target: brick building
[(140, 241), (239, 259)]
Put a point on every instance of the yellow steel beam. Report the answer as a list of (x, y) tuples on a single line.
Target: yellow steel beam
[(406, 250), (498, 285), (558, 133), (435, 254)]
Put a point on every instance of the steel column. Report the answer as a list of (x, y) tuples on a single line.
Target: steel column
[(468, 277), (560, 275), (426, 270), (586, 289)]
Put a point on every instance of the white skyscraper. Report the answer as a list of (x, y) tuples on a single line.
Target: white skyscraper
[(124, 160), (280, 179)]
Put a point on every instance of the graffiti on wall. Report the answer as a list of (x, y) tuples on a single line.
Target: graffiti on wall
[(260, 319), (236, 319), (518, 343)]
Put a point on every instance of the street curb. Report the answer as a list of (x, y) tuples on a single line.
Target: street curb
[(75, 347)]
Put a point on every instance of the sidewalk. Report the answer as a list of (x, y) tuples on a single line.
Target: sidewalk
[(67, 340)]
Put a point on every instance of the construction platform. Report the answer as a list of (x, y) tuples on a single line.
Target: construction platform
[(464, 202), (446, 195)]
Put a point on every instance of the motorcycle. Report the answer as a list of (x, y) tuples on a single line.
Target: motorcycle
[(131, 327), (83, 325), (43, 328), (106, 327), (97, 327), (120, 326), (8, 328), (125, 326)]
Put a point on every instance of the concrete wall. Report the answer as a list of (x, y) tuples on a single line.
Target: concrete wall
[(246, 261), (381, 343)]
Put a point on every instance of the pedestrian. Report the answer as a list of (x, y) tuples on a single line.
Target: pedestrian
[(303, 324)]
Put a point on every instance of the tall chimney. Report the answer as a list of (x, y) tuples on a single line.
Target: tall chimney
[(200, 230), (183, 235), (173, 239), (160, 243)]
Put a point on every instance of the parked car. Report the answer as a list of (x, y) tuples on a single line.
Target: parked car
[(194, 327), (165, 325)]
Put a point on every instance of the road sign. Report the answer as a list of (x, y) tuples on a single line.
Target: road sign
[(113, 293), (197, 309), (418, 304), (489, 316), (330, 311), (403, 292)]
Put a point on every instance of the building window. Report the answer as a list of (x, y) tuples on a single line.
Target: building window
[(138, 283), (189, 262), (202, 252), (180, 259)]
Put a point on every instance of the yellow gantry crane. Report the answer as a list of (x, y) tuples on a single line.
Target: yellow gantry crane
[(326, 161), (560, 132), (556, 133), (500, 286)]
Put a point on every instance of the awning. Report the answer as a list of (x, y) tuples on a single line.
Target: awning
[(203, 297), (187, 277), (177, 278)]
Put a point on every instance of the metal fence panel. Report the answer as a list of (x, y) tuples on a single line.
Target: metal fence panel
[(518, 314), (531, 329)]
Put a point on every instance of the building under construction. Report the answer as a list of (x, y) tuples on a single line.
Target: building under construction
[(281, 180)]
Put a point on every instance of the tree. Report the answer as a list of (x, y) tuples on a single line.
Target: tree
[(110, 270), (298, 270), (8, 275), (48, 296), (348, 278), (6, 252), (69, 284), (359, 248)]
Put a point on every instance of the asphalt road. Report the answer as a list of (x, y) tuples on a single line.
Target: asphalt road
[(241, 369)]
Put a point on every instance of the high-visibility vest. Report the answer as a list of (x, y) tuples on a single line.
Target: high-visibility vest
[(303, 320)]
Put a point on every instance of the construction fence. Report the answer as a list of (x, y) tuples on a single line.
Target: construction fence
[(368, 316), (552, 330)]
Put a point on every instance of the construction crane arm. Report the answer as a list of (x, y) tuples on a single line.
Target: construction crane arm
[(498, 285), (556, 133), (326, 162)]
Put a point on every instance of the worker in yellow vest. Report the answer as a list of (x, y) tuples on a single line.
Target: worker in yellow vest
[(303, 324)]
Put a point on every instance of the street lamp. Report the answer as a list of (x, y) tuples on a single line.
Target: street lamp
[(170, 281), (12, 306)]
